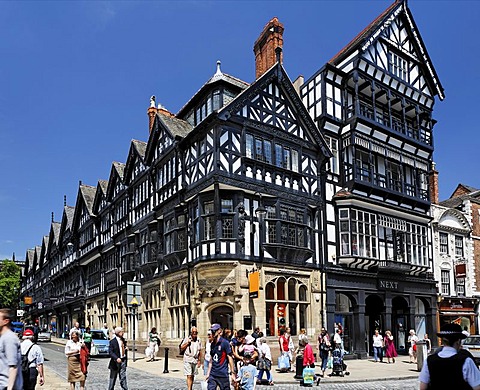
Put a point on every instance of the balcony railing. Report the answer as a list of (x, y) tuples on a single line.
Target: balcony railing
[(368, 175), (417, 133)]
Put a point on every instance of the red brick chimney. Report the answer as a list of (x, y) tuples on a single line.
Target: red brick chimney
[(433, 184), (264, 47), (152, 111)]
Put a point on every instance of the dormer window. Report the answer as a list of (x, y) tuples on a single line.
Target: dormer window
[(398, 66)]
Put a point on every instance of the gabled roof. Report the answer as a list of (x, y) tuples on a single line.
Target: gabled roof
[(140, 147), (218, 77), (88, 195), (53, 236), (278, 73), (171, 125), (67, 220), (117, 172), (373, 31), (137, 150), (101, 191)]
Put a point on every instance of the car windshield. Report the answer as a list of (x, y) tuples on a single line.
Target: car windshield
[(472, 341), (98, 335)]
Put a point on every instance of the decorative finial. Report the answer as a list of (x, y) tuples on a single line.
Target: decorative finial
[(64, 200), (52, 216), (152, 101), (218, 72)]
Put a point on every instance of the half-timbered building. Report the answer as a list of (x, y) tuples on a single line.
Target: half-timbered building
[(374, 101)]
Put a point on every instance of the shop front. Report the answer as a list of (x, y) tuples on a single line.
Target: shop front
[(459, 310), (364, 302)]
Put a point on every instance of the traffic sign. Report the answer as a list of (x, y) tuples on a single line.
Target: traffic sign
[(134, 294)]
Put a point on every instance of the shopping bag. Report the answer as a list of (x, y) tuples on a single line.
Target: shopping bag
[(94, 350), (283, 362), (308, 375), (148, 351), (330, 362), (204, 385)]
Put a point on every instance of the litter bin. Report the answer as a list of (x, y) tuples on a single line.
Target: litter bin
[(421, 353)]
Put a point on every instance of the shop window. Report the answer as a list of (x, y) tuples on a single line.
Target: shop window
[(282, 312)]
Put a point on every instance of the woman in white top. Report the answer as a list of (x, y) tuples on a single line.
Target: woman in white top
[(412, 351), (208, 348), (72, 351), (377, 347)]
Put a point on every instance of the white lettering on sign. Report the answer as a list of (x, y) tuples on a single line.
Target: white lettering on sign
[(388, 284)]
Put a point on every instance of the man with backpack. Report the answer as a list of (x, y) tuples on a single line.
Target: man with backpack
[(10, 357), (32, 361), (190, 349)]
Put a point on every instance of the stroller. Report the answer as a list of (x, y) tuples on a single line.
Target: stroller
[(338, 365)]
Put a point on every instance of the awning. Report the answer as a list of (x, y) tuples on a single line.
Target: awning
[(458, 313)]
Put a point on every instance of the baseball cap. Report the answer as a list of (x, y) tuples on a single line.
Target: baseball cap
[(215, 327), (28, 333)]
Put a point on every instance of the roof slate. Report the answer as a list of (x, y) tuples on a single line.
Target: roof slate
[(176, 126), (88, 193)]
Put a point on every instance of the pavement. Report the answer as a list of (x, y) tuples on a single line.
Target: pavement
[(361, 370)]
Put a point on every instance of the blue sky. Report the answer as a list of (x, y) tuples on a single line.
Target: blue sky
[(76, 78)]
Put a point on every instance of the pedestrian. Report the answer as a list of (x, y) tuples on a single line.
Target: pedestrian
[(118, 359), (291, 346), (264, 361), (377, 347), (256, 333), (75, 328), (87, 338), (247, 374), (283, 343), (34, 355), (74, 369), (10, 354), (452, 367), (412, 350), (192, 347), (337, 338), (428, 342), (390, 351), (308, 358), (106, 330), (324, 349), (248, 346), (206, 355), (154, 343), (235, 343), (301, 346), (220, 370)]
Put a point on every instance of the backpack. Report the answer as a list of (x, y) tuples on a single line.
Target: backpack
[(25, 366)]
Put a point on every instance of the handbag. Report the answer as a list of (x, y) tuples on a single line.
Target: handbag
[(148, 351), (261, 364), (94, 350)]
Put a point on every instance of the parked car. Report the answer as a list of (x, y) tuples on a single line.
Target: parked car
[(101, 341), (472, 343), (44, 335), (17, 327)]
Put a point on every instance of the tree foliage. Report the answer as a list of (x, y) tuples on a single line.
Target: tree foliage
[(9, 284)]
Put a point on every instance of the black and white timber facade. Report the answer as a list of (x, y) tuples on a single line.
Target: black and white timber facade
[(340, 166), (374, 102)]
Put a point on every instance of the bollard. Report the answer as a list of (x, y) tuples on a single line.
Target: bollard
[(299, 367), (165, 365)]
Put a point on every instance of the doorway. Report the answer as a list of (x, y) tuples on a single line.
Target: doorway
[(399, 324), (222, 315), (374, 309)]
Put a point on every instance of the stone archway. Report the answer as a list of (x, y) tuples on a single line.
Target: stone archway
[(222, 315)]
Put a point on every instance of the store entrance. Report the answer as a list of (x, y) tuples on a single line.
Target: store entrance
[(374, 309), (399, 324)]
